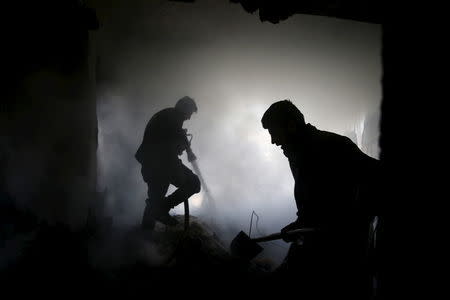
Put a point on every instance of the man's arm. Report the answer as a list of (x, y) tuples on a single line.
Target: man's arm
[(299, 193), (292, 226)]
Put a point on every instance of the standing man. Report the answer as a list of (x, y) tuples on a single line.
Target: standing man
[(164, 141), (334, 194)]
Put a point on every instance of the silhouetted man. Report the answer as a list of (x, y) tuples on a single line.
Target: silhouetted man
[(164, 140), (333, 195)]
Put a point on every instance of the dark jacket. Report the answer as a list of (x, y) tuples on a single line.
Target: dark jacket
[(164, 138), (333, 182)]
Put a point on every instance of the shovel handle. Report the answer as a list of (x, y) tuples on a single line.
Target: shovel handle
[(276, 236)]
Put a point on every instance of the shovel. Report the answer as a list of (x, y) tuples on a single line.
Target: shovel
[(244, 247)]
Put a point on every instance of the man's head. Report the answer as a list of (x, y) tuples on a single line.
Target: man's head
[(186, 106), (284, 121)]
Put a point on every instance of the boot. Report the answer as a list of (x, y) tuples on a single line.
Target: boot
[(167, 219), (161, 213)]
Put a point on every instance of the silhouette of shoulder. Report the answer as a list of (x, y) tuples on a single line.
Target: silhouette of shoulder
[(165, 122), (340, 151)]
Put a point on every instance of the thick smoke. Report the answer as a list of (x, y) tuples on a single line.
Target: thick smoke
[(152, 54)]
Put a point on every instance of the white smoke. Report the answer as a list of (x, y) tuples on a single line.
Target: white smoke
[(329, 68)]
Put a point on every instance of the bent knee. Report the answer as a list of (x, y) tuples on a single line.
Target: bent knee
[(194, 184)]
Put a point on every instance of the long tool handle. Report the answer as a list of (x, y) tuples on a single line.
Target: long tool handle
[(186, 215), (276, 236)]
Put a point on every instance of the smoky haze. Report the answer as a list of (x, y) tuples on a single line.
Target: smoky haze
[(151, 53)]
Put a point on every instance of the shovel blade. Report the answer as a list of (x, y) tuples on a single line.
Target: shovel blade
[(243, 247)]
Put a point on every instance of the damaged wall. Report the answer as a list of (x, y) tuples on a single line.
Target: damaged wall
[(49, 123)]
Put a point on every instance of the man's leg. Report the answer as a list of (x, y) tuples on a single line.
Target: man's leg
[(184, 179), (155, 203), (187, 184)]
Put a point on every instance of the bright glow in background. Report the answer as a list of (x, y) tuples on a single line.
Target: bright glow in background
[(153, 53)]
